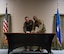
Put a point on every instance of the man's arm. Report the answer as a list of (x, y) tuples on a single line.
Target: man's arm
[(41, 26), (24, 27)]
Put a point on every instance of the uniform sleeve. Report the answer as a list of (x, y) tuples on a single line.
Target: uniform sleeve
[(31, 22), (41, 26), (33, 27), (44, 29), (24, 27)]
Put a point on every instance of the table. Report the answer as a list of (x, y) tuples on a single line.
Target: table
[(29, 39)]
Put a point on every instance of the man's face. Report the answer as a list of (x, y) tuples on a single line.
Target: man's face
[(35, 18), (27, 19)]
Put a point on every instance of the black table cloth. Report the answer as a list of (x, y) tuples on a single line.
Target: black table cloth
[(16, 40)]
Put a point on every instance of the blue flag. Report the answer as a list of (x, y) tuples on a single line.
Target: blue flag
[(58, 31)]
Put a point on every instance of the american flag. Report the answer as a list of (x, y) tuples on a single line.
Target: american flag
[(5, 22)]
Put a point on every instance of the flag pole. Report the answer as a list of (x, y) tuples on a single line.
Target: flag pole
[(57, 4), (6, 40), (56, 33), (60, 28), (6, 4)]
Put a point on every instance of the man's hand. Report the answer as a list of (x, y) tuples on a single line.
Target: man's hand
[(27, 32)]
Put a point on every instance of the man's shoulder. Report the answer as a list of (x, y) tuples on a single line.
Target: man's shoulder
[(41, 20), (30, 20), (24, 23)]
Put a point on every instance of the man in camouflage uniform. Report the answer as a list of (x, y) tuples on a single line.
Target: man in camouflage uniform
[(27, 28), (40, 24), (28, 25), (39, 27)]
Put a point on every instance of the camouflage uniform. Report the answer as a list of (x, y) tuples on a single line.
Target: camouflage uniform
[(38, 27), (41, 27), (28, 26)]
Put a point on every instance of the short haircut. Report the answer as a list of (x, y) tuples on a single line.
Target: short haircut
[(26, 17)]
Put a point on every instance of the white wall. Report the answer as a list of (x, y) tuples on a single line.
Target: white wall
[(44, 9)]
